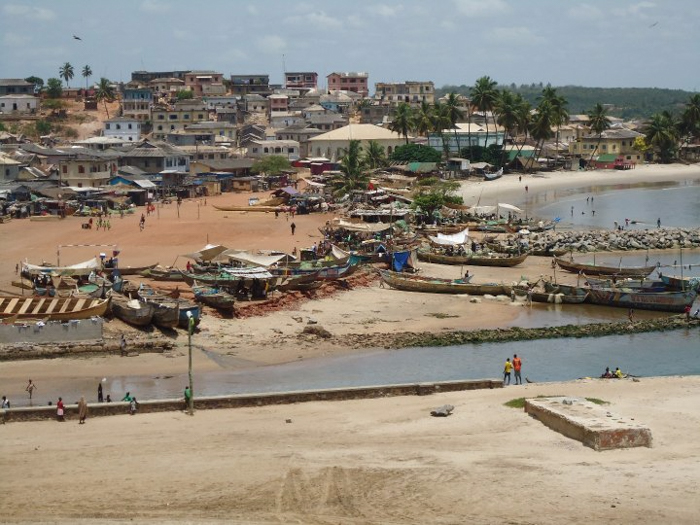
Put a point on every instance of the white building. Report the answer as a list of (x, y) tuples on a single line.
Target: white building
[(127, 129), (460, 138), (17, 104)]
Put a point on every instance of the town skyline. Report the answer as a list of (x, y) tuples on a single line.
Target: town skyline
[(593, 44)]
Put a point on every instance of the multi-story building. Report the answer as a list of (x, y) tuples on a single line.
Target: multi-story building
[(124, 128), (205, 83), (618, 141), (166, 120), (250, 85), (166, 87), (410, 92), (145, 77), (352, 81), (15, 86), (278, 103), (303, 80), (136, 103)]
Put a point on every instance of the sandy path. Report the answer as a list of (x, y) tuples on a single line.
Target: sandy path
[(371, 462)]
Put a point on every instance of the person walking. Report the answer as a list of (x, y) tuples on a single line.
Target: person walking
[(100, 398), (5, 402), (82, 410), (506, 371), (60, 415), (127, 397), (31, 387), (133, 405), (517, 366), (293, 227)]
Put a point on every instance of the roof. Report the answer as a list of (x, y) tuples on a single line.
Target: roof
[(358, 132), (14, 82), (607, 157)]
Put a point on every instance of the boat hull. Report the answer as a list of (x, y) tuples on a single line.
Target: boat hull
[(439, 258), (415, 283), (52, 308), (590, 269)]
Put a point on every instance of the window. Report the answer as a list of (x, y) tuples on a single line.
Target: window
[(107, 126), (160, 128), (161, 117), (64, 168), (172, 117), (119, 126), (130, 126), (186, 116)]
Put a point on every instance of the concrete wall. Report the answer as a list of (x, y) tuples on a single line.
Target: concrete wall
[(52, 332), (251, 400)]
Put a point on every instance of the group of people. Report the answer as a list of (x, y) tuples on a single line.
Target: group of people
[(513, 367), (617, 374)]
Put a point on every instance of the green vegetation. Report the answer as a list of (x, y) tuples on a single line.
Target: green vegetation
[(520, 401), (54, 89), (87, 73), (105, 93), (66, 72), (272, 165), (38, 82), (184, 94), (433, 193), (352, 174), (415, 153), (42, 127)]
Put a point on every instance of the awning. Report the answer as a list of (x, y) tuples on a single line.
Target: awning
[(454, 239), (83, 268), (245, 257), (509, 207), (208, 253)]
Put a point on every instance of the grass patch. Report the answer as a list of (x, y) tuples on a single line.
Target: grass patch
[(520, 401), (440, 315)]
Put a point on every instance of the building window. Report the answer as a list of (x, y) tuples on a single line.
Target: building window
[(161, 117), (64, 168), (107, 126), (81, 169)]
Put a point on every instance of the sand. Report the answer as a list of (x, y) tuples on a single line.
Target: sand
[(363, 462)]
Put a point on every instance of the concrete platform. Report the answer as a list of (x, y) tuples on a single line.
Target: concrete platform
[(591, 424)]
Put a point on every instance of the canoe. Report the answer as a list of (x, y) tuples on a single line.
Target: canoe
[(195, 311), (52, 308), (674, 301), (296, 282), (133, 270), (166, 311), (326, 273), (418, 283), (678, 283), (214, 297), (132, 311), (265, 209), (593, 269), (501, 260), (170, 274), (554, 295)]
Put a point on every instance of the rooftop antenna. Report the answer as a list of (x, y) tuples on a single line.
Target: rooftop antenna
[(284, 71)]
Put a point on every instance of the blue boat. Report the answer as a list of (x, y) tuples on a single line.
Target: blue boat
[(194, 309)]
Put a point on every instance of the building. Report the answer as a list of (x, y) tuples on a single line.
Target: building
[(278, 103), (182, 114), (300, 133), (15, 86), (463, 134), (410, 92), (250, 84), (264, 148), (166, 87), (205, 83), (333, 144), (352, 81), (154, 157), (285, 119), (124, 128), (9, 168), (618, 142), (136, 103), (303, 80), (87, 168), (18, 104), (144, 77)]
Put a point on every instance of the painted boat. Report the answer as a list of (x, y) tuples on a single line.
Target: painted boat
[(678, 283), (166, 311), (132, 311), (418, 283), (214, 297), (674, 301), (52, 308), (502, 260), (593, 269), (169, 274), (296, 282), (195, 312), (554, 295), (327, 273), (265, 209), (646, 285)]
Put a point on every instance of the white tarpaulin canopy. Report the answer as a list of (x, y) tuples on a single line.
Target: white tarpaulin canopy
[(83, 268), (254, 259), (454, 239), (208, 253), (509, 207), (373, 227), (312, 183), (249, 273), (481, 210)]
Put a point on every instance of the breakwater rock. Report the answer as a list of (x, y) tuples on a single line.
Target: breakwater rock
[(503, 335), (21, 351), (611, 240)]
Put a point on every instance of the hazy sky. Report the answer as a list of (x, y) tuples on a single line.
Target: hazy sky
[(602, 43)]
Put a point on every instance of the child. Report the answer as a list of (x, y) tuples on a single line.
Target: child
[(133, 405)]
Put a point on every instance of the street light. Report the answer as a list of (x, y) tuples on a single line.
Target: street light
[(190, 329)]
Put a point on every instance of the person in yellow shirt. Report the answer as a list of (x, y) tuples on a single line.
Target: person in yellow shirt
[(506, 371), (618, 373)]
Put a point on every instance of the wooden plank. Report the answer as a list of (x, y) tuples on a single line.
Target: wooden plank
[(23, 309), (64, 307), (79, 305), (11, 305), (39, 304), (52, 306), (2, 300)]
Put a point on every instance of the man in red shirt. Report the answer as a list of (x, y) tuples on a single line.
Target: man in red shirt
[(517, 365)]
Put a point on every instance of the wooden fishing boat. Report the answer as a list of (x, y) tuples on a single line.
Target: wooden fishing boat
[(52, 308), (555, 295), (594, 269), (296, 282), (673, 301), (418, 283), (167, 274), (214, 297), (132, 311), (133, 270), (496, 259), (195, 312), (647, 285), (166, 311), (678, 283), (265, 209)]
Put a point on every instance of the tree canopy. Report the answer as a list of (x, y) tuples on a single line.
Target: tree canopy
[(432, 193), (54, 88), (271, 165), (415, 153)]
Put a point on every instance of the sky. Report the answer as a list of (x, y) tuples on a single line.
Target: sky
[(597, 43)]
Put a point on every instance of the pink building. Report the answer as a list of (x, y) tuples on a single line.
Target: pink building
[(205, 83), (356, 82)]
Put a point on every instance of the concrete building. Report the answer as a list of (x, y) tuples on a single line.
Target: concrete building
[(410, 92), (351, 81), (136, 103), (205, 83), (124, 128), (15, 86), (250, 84), (333, 144), (177, 117), (266, 148), (18, 104), (459, 138), (618, 142), (303, 80)]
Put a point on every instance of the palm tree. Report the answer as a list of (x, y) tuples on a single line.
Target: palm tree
[(560, 115), (454, 114), (541, 126), (689, 126), (423, 119), (105, 93), (375, 156), (598, 121), (87, 73), (440, 120), (661, 134), (483, 97), (352, 176), (402, 121), (506, 111), (66, 72)]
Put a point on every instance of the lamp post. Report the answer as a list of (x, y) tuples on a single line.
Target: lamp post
[(190, 329)]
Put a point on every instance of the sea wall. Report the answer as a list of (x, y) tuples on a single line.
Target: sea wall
[(252, 400), (49, 350), (52, 331)]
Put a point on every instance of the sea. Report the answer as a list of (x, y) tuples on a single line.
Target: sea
[(675, 204)]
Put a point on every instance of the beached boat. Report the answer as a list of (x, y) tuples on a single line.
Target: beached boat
[(419, 283), (52, 308), (554, 295), (673, 301), (296, 282), (494, 259), (194, 310), (214, 297), (133, 270), (326, 273), (681, 283), (166, 311), (595, 269), (493, 176), (132, 311), (163, 274), (265, 209)]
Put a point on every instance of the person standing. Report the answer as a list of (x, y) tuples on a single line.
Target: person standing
[(127, 397), (31, 387), (122, 345), (60, 416), (100, 398), (517, 365), (293, 227), (133, 405), (658, 222), (506, 371), (5, 402), (188, 397), (82, 410)]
